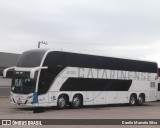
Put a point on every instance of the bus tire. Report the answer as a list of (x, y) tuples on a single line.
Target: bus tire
[(140, 100), (61, 102), (76, 102), (132, 100)]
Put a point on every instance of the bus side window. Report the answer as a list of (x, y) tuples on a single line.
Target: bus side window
[(46, 78)]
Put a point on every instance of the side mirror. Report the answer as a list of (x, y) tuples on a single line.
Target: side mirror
[(32, 73), (5, 71)]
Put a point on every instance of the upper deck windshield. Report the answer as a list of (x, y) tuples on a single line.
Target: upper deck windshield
[(31, 58), (22, 84)]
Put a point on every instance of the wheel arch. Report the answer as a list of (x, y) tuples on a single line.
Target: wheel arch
[(66, 96), (79, 95), (133, 94), (76, 93)]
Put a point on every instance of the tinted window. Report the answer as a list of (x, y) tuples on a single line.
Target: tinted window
[(55, 64), (31, 58), (83, 84), (22, 84), (46, 79), (98, 62)]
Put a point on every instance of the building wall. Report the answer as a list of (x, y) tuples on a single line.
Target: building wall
[(5, 87), (5, 82), (1, 71), (6, 60)]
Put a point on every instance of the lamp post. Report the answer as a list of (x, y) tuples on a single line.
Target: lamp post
[(41, 42)]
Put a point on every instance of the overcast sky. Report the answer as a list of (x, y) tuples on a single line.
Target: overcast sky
[(120, 28)]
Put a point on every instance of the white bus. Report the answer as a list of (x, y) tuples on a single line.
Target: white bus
[(54, 78)]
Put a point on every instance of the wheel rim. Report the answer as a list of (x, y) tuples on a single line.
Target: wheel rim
[(61, 102), (132, 100), (76, 101)]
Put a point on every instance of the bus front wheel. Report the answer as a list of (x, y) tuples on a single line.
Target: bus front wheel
[(76, 102), (61, 102)]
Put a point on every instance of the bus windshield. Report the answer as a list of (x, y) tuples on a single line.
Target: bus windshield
[(31, 58), (22, 84)]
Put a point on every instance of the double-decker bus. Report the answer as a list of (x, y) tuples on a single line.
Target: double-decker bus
[(57, 78)]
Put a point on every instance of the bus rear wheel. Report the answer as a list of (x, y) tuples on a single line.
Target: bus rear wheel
[(140, 100), (132, 100), (76, 101), (61, 102)]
